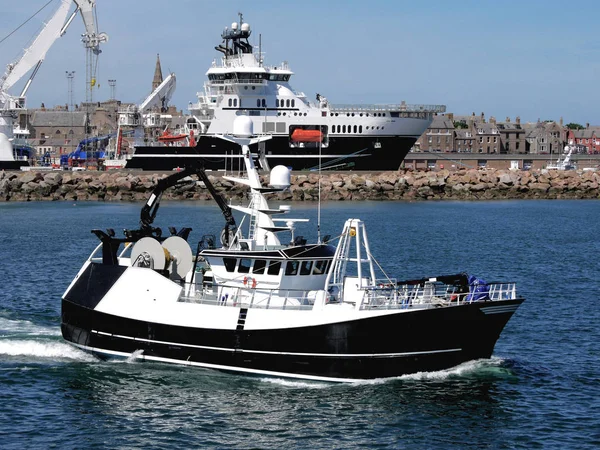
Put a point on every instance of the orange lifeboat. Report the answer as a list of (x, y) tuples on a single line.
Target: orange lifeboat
[(168, 137), (300, 135)]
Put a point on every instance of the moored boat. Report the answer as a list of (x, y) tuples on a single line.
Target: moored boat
[(305, 134), (256, 304)]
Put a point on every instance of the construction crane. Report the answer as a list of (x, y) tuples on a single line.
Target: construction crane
[(32, 59)]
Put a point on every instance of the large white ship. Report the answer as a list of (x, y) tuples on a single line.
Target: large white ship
[(305, 134)]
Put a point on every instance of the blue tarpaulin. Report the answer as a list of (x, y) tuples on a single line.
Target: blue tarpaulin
[(478, 289)]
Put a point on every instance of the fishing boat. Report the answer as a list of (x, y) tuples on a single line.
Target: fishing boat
[(256, 303), (351, 136)]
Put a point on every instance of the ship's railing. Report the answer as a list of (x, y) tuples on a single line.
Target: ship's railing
[(389, 296), (383, 295), (249, 298), (237, 81), (402, 107)]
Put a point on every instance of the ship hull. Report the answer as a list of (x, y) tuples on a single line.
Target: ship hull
[(13, 165), (341, 153), (382, 346)]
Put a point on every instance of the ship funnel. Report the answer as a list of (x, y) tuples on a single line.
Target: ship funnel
[(280, 177), (243, 127)]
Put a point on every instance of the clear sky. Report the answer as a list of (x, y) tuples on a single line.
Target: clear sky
[(534, 59)]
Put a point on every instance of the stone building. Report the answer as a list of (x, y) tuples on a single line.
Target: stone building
[(588, 139), (56, 131), (512, 136), (546, 138), (439, 137)]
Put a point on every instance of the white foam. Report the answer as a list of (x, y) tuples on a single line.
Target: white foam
[(464, 369), (287, 382), (40, 349), (12, 327)]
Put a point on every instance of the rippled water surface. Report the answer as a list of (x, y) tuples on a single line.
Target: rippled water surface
[(540, 390)]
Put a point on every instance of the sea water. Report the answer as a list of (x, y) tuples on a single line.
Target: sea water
[(541, 389)]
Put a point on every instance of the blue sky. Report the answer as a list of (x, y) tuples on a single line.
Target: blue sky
[(533, 59)]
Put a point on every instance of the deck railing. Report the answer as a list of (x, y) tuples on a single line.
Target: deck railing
[(380, 296)]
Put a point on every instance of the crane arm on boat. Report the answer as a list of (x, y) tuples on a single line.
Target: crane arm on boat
[(150, 209)]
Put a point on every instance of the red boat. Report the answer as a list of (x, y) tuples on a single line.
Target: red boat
[(300, 135), (168, 137)]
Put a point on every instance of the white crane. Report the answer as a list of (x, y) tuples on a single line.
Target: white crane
[(33, 57), (149, 113)]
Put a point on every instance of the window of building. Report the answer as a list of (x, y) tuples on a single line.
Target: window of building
[(287, 103), (481, 139), (259, 266), (274, 267)]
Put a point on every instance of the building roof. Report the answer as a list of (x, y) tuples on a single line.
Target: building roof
[(58, 118), (442, 122)]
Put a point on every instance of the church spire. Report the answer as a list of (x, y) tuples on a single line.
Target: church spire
[(158, 78)]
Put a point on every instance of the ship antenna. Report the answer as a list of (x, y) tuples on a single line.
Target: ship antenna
[(319, 194)]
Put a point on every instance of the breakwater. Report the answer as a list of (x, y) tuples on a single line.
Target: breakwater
[(471, 184)]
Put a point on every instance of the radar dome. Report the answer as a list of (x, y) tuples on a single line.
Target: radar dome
[(245, 27), (243, 126), (6, 148), (234, 26), (280, 177)]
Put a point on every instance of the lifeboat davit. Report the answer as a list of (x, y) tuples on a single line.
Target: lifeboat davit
[(300, 135), (168, 137)]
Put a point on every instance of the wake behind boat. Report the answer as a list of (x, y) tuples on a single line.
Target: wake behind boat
[(254, 304), (305, 135)]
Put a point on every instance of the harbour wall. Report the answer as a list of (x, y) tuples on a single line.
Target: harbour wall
[(464, 184)]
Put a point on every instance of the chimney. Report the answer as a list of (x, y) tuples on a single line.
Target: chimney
[(507, 119), (518, 120), (493, 120), (482, 117), (587, 125), (561, 121), (450, 116)]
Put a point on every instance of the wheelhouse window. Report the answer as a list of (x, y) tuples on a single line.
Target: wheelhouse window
[(320, 267), (305, 267), (229, 264), (274, 267), (292, 267), (230, 102), (244, 266), (259, 266)]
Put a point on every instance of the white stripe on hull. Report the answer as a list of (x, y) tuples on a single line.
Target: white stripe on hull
[(264, 352)]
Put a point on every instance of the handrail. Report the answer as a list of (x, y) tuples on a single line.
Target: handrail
[(386, 294)]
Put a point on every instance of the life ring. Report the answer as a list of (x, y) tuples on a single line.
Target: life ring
[(245, 281), (253, 283)]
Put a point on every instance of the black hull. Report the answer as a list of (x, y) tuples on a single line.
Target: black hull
[(380, 347), (342, 153), (13, 165)]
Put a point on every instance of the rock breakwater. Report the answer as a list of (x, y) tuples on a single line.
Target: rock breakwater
[(471, 184)]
